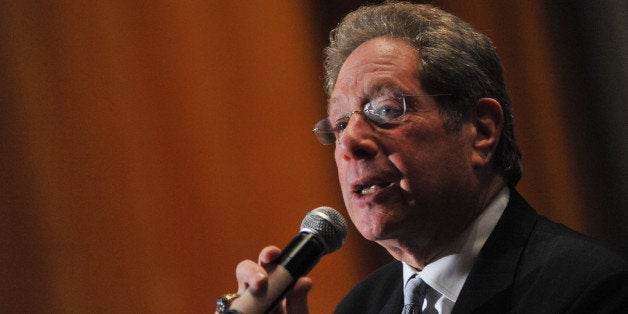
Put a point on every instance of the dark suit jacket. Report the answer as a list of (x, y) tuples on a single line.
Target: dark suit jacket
[(528, 265)]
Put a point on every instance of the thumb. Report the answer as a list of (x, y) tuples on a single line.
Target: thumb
[(296, 300)]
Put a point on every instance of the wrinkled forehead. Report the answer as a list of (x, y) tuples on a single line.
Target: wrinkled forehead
[(380, 66)]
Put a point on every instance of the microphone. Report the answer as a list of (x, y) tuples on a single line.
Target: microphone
[(323, 230)]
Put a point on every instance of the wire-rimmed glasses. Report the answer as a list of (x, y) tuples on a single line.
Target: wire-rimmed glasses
[(381, 111)]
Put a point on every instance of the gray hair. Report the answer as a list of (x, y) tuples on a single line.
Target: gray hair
[(455, 59)]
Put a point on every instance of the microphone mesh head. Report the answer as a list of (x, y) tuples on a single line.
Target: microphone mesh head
[(328, 225)]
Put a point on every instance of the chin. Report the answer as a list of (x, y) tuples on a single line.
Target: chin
[(370, 233), (378, 227)]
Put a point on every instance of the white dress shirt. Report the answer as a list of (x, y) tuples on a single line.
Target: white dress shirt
[(446, 275)]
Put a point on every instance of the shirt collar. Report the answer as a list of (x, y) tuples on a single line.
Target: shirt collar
[(448, 272)]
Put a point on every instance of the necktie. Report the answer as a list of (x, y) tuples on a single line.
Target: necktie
[(414, 293)]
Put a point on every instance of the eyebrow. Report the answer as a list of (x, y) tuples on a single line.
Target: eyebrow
[(376, 88), (382, 86)]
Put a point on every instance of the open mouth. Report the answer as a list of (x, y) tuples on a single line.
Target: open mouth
[(371, 188)]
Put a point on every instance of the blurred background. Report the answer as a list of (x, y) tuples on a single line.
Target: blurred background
[(149, 146)]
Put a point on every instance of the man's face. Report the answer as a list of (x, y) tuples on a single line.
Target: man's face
[(409, 182)]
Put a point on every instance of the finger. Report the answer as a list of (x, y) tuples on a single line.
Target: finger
[(251, 275), (296, 300), (268, 255)]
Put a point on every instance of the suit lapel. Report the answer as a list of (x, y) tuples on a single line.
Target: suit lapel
[(394, 304), (490, 280)]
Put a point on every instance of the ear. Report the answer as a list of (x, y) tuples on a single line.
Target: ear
[(488, 120)]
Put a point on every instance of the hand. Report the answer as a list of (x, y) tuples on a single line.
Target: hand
[(254, 276)]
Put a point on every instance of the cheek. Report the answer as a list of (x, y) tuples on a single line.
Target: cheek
[(425, 170), (342, 177)]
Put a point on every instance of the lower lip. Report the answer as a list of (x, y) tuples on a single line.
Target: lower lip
[(376, 194)]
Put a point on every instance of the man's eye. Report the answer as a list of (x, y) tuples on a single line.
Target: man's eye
[(384, 111), (391, 111), (341, 124)]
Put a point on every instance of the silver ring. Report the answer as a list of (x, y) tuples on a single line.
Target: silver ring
[(224, 302)]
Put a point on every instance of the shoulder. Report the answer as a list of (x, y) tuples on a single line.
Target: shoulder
[(553, 249), (570, 271), (379, 288), (561, 266), (556, 250), (550, 244), (535, 265), (553, 241)]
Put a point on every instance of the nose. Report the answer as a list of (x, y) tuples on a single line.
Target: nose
[(357, 140)]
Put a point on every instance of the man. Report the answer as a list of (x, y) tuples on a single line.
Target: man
[(427, 162)]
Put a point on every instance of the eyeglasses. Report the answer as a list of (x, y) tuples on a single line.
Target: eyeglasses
[(382, 111)]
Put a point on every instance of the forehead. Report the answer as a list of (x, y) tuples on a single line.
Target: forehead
[(379, 64)]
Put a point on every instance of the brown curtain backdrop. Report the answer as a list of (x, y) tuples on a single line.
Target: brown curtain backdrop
[(149, 146)]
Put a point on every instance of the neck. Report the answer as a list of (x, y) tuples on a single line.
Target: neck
[(418, 254)]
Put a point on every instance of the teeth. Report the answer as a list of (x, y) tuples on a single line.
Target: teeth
[(370, 189)]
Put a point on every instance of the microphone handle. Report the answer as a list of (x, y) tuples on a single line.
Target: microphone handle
[(295, 261)]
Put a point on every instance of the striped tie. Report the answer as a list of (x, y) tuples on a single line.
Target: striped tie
[(414, 293)]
